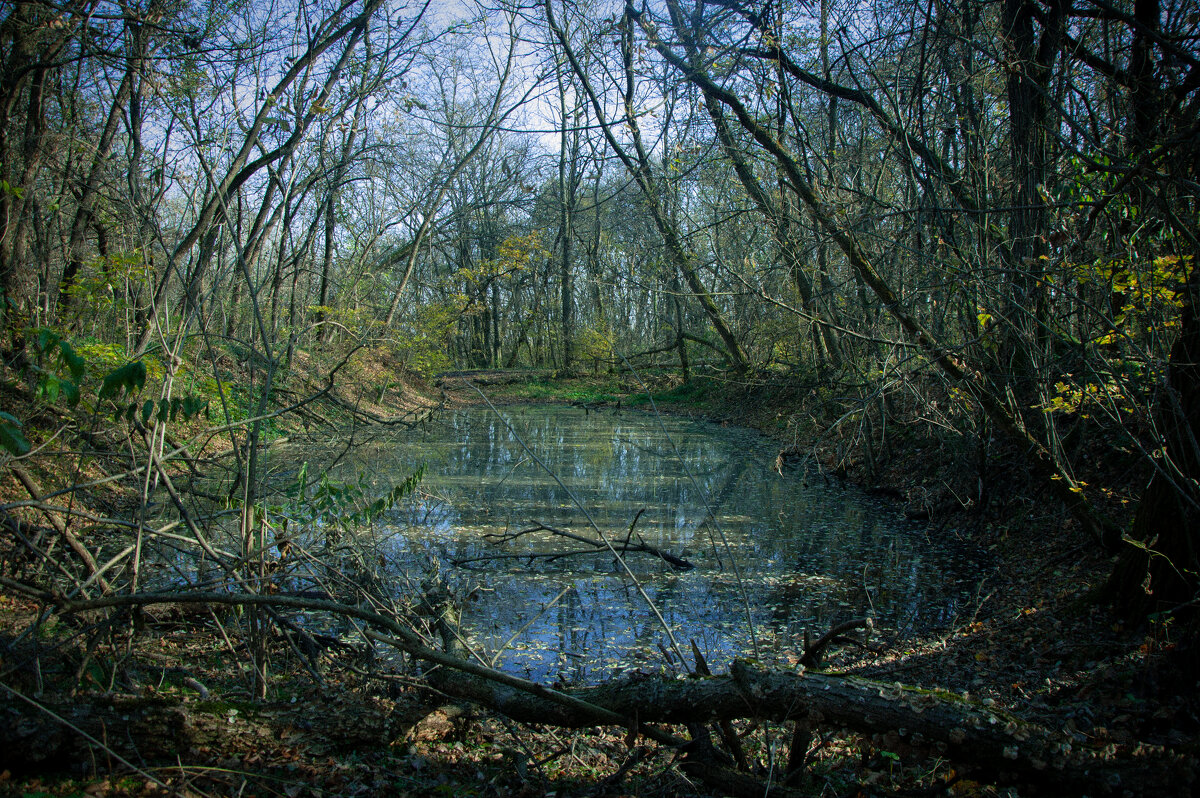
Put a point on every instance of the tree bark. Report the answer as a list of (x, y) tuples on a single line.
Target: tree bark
[(1030, 63), (33, 48), (963, 731), (241, 168), (91, 185)]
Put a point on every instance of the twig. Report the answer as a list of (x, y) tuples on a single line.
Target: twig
[(496, 656), (662, 621), (399, 636), (813, 654), (710, 517), (60, 527)]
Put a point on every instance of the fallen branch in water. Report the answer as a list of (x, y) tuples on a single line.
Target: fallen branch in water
[(628, 546)]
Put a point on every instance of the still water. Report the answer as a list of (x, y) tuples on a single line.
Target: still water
[(776, 553)]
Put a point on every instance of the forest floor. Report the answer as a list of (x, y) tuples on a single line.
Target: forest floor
[(1036, 644)]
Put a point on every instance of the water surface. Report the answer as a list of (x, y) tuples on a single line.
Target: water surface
[(783, 553)]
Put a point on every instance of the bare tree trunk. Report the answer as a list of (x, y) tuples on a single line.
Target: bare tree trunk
[(680, 339), (639, 169), (1159, 565), (950, 725), (34, 47), (242, 168), (326, 267), (495, 117), (91, 184), (1031, 60), (568, 181)]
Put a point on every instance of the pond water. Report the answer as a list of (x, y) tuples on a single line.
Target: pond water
[(779, 553)]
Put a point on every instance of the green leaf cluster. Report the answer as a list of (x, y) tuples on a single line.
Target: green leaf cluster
[(426, 345), (337, 504), (165, 410), (60, 369), (108, 281), (12, 437)]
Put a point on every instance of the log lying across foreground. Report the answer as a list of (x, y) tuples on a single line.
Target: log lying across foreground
[(988, 740), (993, 743)]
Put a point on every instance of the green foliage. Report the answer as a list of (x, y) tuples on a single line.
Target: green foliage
[(1118, 389), (347, 504), (105, 356), (692, 393), (169, 409), (12, 438), (1148, 294), (592, 343), (516, 255), (586, 390), (128, 379), (56, 355), (62, 370), (1128, 282), (465, 292), (539, 388), (427, 338), (105, 283)]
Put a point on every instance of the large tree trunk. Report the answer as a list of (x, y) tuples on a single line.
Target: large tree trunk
[(568, 182), (963, 731), (90, 189), (1158, 569), (29, 51), (326, 266)]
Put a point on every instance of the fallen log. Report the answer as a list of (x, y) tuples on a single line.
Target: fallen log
[(988, 740), (995, 744)]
